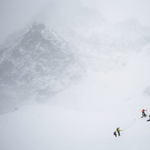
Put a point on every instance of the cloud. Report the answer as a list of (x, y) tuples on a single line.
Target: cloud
[(15, 14), (116, 10)]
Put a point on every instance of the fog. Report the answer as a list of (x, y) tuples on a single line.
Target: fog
[(15, 14), (72, 37), (78, 70)]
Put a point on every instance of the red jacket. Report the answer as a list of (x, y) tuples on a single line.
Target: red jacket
[(144, 110)]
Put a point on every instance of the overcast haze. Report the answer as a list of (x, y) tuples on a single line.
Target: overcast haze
[(15, 14), (74, 74)]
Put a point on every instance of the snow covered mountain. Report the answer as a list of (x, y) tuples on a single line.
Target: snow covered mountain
[(37, 63), (100, 45), (103, 48), (85, 115)]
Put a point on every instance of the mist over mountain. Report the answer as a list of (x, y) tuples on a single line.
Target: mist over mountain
[(100, 44), (57, 47), (69, 78), (37, 63), (72, 18)]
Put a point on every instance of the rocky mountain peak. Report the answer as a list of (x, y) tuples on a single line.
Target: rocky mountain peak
[(37, 26), (37, 62)]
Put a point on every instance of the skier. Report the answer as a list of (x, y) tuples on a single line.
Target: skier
[(143, 113), (115, 134), (118, 130), (149, 118)]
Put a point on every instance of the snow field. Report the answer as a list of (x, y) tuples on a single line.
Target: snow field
[(84, 116)]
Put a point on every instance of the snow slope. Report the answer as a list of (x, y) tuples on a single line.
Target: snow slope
[(86, 115)]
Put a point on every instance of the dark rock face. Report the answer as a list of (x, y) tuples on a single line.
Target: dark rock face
[(39, 62)]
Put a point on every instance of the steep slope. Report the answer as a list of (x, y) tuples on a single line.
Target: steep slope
[(85, 115), (39, 62)]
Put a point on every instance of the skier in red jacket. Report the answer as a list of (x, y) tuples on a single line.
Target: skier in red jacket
[(143, 113)]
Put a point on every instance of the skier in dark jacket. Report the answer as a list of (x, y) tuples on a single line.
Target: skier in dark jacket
[(115, 134), (118, 130), (149, 118), (143, 113)]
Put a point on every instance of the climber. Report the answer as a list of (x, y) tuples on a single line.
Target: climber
[(143, 113), (115, 134), (118, 130)]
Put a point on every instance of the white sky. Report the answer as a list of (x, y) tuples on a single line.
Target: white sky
[(15, 14)]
